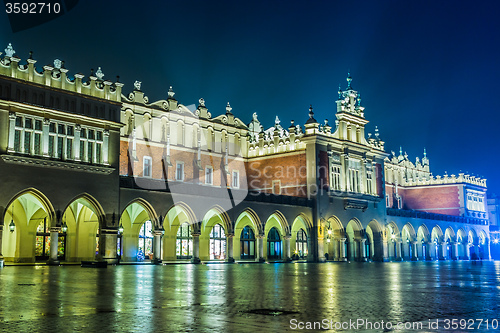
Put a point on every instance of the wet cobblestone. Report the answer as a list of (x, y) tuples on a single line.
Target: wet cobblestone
[(230, 298)]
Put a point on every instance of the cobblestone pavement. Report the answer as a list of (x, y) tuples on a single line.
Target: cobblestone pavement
[(249, 297)]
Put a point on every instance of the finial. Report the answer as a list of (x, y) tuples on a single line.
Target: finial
[(277, 121), (349, 80), (91, 72), (311, 113), (326, 122), (171, 92), (400, 150), (31, 55), (425, 153), (137, 85), (228, 108), (99, 73), (118, 78), (376, 132), (359, 99), (369, 135), (57, 63), (62, 64), (9, 51), (292, 123), (406, 155), (202, 102), (340, 92)]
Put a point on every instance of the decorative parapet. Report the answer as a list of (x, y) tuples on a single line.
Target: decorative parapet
[(443, 180), (56, 76), (434, 216)]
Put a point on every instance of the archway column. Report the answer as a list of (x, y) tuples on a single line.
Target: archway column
[(54, 240), (286, 253), (108, 239), (229, 248), (455, 250), (1, 238), (342, 254), (428, 255), (486, 249), (442, 250), (362, 251), (196, 248), (414, 253), (259, 256), (157, 249), (397, 253)]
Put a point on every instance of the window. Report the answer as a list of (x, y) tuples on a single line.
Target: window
[(208, 175), (217, 243), (369, 183), (273, 244), (354, 171), (145, 248), (236, 179), (387, 201), (301, 244), (247, 243), (27, 135), (184, 242), (147, 167), (42, 242), (335, 177), (179, 171)]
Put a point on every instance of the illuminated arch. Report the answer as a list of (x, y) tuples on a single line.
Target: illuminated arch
[(284, 229), (44, 201), (437, 233), (409, 231), (449, 233)]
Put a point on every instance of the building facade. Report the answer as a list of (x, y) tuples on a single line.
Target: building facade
[(98, 174)]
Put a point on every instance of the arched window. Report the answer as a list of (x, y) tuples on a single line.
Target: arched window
[(184, 243), (145, 248), (42, 242), (217, 243), (273, 244), (247, 243), (301, 244)]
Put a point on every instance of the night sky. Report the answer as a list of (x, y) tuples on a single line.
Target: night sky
[(427, 71)]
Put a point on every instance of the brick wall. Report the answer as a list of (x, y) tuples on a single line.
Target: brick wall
[(289, 171)]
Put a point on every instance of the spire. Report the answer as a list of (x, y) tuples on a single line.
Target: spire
[(400, 150), (99, 73), (311, 116), (349, 80), (228, 108), (9, 51), (359, 99), (377, 133), (171, 92), (425, 153), (340, 92)]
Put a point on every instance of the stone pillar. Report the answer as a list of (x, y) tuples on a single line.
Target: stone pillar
[(428, 250), (385, 249), (54, 239), (414, 253), (487, 251), (196, 249), (442, 250), (455, 250), (260, 247), (342, 249), (467, 250), (397, 253), (12, 131), (45, 137), (1, 237), (362, 249), (229, 248), (157, 248), (286, 252), (108, 239)]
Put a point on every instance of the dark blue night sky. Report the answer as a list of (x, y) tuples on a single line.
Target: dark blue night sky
[(427, 70)]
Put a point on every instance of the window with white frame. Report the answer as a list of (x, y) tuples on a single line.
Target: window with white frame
[(209, 175), (236, 179), (387, 200), (335, 177), (354, 172), (32, 133), (475, 201), (369, 182), (147, 166), (179, 171)]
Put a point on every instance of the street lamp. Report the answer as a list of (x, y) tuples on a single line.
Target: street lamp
[(64, 227), (12, 226), (120, 229)]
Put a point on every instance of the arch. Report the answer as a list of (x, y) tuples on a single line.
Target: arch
[(42, 198), (408, 230), (175, 210), (94, 205), (176, 215), (252, 217), (393, 229), (281, 220), (449, 234), (147, 207), (423, 233), (375, 226), (225, 221), (437, 233)]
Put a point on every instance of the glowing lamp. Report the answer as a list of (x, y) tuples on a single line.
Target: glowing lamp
[(64, 227), (120, 229), (495, 241), (12, 226), (329, 232), (328, 240)]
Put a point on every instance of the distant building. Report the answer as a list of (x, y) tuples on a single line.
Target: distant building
[(494, 216), (96, 174)]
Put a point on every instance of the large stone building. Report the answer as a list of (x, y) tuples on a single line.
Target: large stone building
[(97, 174)]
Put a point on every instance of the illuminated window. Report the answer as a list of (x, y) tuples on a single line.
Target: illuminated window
[(369, 183), (354, 172), (184, 242), (273, 244), (145, 248), (301, 244), (217, 243), (335, 176), (208, 175), (387, 200), (179, 171), (247, 243), (42, 242), (147, 166)]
